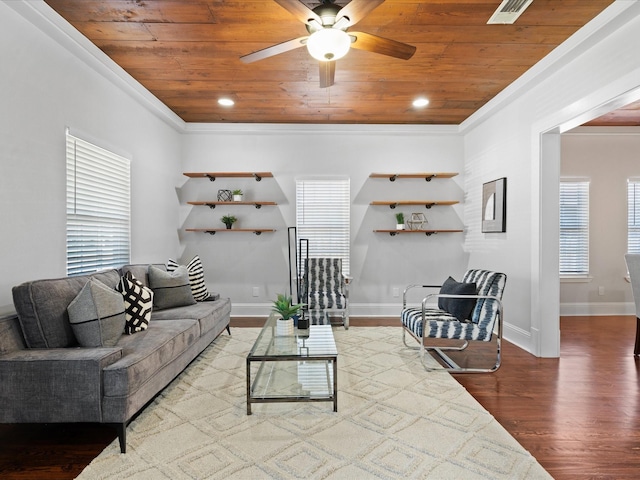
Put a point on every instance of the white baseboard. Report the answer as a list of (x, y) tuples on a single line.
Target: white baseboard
[(516, 335), (597, 309), (519, 337), (355, 309)]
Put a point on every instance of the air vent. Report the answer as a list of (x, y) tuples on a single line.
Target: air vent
[(509, 11)]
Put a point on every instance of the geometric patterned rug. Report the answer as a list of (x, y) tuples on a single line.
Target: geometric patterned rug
[(394, 421)]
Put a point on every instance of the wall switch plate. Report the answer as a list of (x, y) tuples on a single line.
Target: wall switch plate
[(256, 291), (396, 292), (601, 291)]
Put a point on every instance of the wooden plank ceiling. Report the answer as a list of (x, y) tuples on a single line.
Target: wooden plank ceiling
[(187, 54)]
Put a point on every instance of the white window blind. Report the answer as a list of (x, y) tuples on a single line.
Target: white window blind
[(574, 227), (323, 217), (98, 209), (633, 215)]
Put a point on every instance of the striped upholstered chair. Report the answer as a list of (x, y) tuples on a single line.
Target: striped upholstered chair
[(468, 311), (325, 287)]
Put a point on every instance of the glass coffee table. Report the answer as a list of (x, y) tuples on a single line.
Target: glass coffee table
[(302, 367)]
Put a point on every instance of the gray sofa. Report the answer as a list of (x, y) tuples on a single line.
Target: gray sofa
[(45, 377)]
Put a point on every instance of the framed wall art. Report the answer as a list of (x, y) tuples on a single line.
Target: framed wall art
[(494, 206)]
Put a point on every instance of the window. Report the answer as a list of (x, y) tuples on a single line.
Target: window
[(322, 217), (97, 208), (633, 215), (574, 227)]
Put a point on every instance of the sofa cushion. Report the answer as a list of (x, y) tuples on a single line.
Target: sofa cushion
[(170, 289), (97, 315), (458, 307), (42, 308), (138, 303), (141, 271), (209, 314), (196, 277), (146, 353)]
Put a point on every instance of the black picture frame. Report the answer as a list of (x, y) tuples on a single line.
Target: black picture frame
[(494, 206)]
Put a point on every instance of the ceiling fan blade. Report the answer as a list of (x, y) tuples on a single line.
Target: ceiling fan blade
[(327, 73), (274, 50), (356, 10), (299, 10), (384, 46)]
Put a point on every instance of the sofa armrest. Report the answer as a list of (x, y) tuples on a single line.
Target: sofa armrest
[(53, 385)]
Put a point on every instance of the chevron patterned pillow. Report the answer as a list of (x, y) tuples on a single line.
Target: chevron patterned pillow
[(196, 277), (138, 303)]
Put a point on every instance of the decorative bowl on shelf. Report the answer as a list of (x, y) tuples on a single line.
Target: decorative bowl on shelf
[(417, 221)]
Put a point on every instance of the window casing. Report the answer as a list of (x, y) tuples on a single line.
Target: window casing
[(323, 217), (574, 227), (633, 215), (98, 208)]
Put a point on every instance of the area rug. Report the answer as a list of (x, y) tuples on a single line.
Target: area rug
[(395, 420)]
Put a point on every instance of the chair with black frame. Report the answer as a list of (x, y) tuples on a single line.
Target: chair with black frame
[(633, 266), (467, 311)]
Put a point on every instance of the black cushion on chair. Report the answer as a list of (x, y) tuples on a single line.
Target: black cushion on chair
[(458, 307)]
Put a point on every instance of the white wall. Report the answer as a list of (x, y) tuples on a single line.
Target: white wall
[(607, 157), (505, 139), (237, 262), (54, 83), (44, 89)]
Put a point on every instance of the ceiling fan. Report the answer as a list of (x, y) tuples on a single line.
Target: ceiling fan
[(328, 39)]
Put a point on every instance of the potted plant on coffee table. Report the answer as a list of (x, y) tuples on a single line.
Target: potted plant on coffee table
[(285, 310), (229, 220)]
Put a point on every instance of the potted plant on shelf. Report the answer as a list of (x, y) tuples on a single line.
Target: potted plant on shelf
[(399, 221), (237, 195), (229, 220), (286, 310)]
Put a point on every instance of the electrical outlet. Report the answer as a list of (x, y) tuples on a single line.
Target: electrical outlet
[(256, 291), (396, 292)]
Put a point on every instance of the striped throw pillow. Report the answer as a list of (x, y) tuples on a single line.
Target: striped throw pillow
[(196, 277)]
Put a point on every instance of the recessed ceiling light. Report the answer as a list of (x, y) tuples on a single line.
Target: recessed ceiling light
[(420, 102), (226, 102)]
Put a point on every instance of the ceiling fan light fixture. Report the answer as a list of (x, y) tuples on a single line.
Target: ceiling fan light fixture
[(328, 44)]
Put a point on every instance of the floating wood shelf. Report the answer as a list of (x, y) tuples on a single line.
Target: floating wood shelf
[(213, 204), (213, 175), (213, 231), (428, 176), (426, 203), (428, 233)]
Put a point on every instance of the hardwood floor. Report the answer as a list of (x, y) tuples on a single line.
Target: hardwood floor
[(578, 415)]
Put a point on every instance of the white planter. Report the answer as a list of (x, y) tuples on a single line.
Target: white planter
[(399, 226), (284, 327), (237, 198)]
